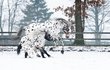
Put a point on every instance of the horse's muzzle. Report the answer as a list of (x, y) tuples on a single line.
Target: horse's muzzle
[(67, 35)]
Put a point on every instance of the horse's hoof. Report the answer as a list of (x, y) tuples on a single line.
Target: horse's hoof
[(38, 55), (26, 54), (49, 56), (30, 57), (51, 49), (62, 51), (43, 57)]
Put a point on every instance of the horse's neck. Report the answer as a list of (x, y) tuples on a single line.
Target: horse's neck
[(53, 28)]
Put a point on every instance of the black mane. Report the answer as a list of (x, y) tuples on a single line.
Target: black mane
[(63, 20)]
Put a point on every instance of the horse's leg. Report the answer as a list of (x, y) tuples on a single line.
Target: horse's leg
[(19, 47), (35, 49), (38, 55), (26, 54), (42, 52), (55, 45), (62, 51), (45, 52)]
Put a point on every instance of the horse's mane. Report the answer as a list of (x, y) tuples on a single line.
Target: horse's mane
[(63, 20)]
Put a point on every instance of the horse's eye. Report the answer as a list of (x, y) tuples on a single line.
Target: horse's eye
[(32, 29), (23, 41), (28, 31)]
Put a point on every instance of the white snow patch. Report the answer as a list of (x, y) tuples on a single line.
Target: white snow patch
[(67, 61)]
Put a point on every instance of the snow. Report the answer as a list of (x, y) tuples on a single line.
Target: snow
[(70, 60)]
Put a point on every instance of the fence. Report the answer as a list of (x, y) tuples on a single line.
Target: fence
[(90, 40), (9, 39)]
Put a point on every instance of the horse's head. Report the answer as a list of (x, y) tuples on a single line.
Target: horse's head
[(66, 31), (66, 26)]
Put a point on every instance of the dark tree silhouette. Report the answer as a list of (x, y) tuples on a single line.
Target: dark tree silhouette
[(78, 24), (37, 11)]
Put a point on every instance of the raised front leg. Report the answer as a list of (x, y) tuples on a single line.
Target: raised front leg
[(55, 45), (62, 51)]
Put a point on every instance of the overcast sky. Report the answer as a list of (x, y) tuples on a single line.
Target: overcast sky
[(55, 3)]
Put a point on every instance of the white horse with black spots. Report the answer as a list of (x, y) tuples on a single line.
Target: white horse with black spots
[(51, 30)]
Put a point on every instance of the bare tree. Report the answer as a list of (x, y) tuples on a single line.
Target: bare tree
[(14, 14), (99, 12), (12, 10), (9, 15), (1, 7), (77, 13)]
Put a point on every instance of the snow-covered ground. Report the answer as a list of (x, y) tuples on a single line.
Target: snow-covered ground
[(70, 60)]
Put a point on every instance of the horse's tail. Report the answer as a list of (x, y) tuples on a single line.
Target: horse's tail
[(19, 47)]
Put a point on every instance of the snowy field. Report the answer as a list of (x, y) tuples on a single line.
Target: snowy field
[(70, 60)]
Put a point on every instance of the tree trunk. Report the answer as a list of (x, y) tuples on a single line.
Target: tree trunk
[(14, 15), (78, 24), (1, 24), (1, 6), (97, 35), (83, 17), (9, 17)]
